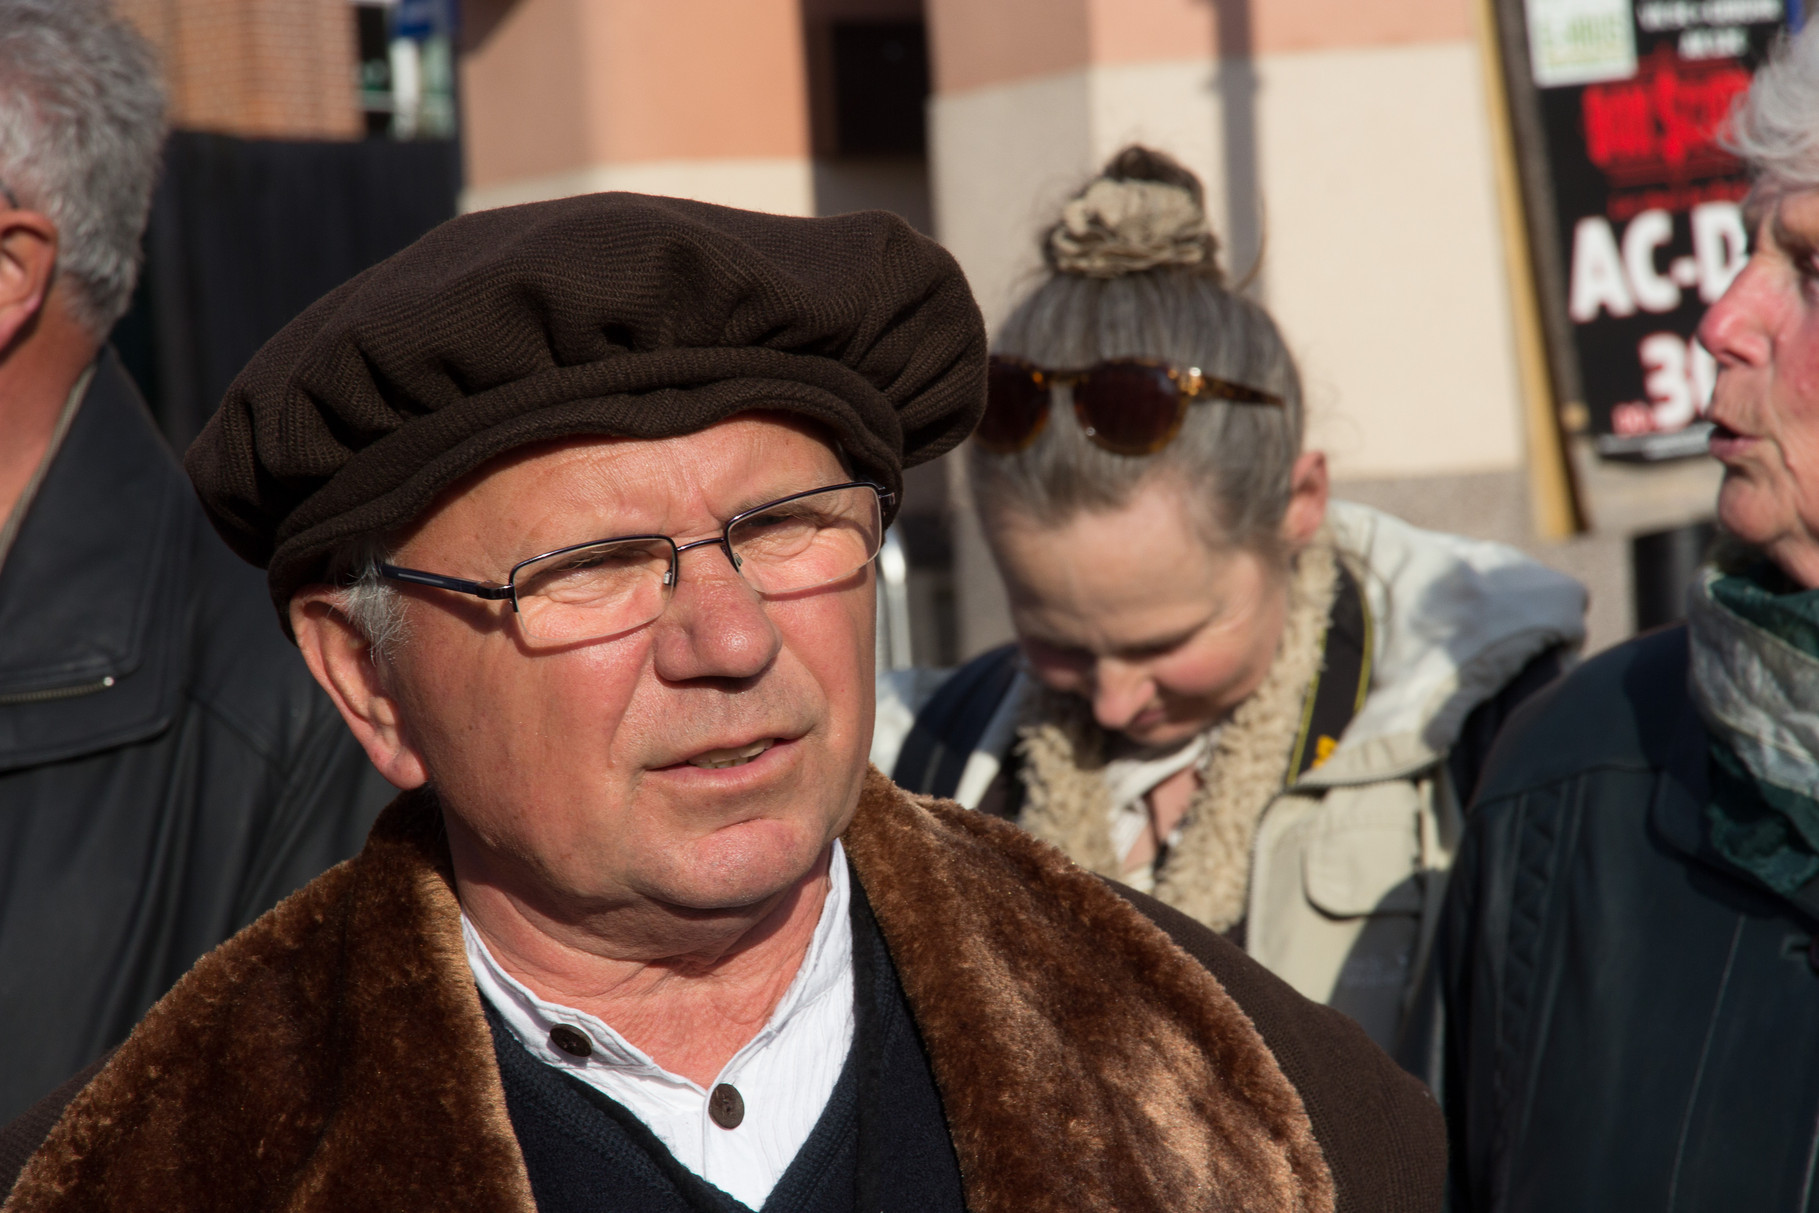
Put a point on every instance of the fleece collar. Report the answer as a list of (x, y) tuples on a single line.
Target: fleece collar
[(334, 1055)]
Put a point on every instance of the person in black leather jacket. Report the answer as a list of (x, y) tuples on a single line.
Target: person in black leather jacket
[(1620, 1009), (168, 768)]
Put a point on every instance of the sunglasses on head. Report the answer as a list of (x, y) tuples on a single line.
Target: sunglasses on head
[(1130, 406)]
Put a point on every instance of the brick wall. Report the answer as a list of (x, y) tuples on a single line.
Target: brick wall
[(271, 69)]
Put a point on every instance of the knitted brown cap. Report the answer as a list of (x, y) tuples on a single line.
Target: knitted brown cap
[(609, 314)]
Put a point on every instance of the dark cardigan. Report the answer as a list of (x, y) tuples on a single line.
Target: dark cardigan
[(880, 1144), (1084, 1060)]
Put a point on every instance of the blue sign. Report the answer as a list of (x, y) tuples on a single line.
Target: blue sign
[(422, 19)]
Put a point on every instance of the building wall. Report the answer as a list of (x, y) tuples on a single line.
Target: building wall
[(698, 98), (262, 69)]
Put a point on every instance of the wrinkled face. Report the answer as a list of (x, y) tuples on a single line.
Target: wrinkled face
[(570, 767), (1764, 333), (1134, 611)]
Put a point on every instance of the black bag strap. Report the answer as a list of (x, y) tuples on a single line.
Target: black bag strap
[(1344, 678), (950, 724)]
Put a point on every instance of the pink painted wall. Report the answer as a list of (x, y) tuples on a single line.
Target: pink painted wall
[(977, 43), (550, 86)]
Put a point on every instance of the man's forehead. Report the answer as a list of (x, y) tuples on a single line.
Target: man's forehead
[(724, 467)]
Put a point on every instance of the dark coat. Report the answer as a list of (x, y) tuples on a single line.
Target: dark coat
[(336, 1055), (1616, 1018), (168, 768)]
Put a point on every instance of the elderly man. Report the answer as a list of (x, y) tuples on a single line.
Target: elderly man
[(168, 771), (1627, 971), (571, 507)]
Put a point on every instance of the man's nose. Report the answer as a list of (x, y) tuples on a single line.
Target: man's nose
[(1120, 692), (715, 625), (1735, 328)]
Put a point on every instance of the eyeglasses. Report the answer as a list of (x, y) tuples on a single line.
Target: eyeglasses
[(1130, 406), (587, 591)]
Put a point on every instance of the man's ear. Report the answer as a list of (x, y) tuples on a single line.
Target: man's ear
[(1307, 500), (344, 662), (28, 268)]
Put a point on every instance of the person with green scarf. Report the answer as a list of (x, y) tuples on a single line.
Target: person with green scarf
[(1622, 1004)]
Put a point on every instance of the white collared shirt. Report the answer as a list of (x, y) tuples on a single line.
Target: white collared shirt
[(1131, 778), (785, 1074)]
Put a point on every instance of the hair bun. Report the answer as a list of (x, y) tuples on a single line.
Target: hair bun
[(1144, 211)]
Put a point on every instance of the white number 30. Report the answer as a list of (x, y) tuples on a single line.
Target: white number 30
[(1678, 375)]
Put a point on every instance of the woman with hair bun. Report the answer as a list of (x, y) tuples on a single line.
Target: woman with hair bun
[(1264, 708)]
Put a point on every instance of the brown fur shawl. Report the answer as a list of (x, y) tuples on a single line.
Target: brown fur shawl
[(334, 1055)]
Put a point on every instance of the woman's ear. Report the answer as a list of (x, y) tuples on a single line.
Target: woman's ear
[(1306, 500), (343, 661)]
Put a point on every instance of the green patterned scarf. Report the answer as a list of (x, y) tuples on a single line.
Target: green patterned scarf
[(1755, 677)]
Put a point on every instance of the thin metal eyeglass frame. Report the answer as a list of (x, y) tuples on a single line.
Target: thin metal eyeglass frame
[(508, 590)]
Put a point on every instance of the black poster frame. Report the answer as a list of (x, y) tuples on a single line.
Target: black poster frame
[(1602, 387)]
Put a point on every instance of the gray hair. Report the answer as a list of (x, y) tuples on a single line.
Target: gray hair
[(371, 603), (1236, 460), (81, 122), (1776, 127)]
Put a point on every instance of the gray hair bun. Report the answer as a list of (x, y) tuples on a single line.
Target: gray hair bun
[(1143, 211)]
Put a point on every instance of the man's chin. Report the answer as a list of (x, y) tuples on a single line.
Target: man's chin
[(1747, 511), (738, 867)]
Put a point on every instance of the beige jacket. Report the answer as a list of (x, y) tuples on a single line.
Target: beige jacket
[(1348, 863)]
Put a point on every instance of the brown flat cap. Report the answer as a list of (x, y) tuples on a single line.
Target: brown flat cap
[(608, 314)]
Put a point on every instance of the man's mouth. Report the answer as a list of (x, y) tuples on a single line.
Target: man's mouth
[(738, 756), (1726, 441)]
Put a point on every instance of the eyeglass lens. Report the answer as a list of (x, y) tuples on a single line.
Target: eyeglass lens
[(797, 544), (1129, 408), (1016, 407)]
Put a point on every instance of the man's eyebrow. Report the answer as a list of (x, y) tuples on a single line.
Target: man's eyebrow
[(756, 500), (1791, 241)]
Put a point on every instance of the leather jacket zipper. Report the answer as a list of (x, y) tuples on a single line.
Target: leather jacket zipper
[(84, 688)]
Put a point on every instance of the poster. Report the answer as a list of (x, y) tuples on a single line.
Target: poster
[(1634, 203)]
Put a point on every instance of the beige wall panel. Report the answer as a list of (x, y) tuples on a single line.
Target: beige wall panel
[(782, 185), (1384, 266), (1002, 160), (565, 86)]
